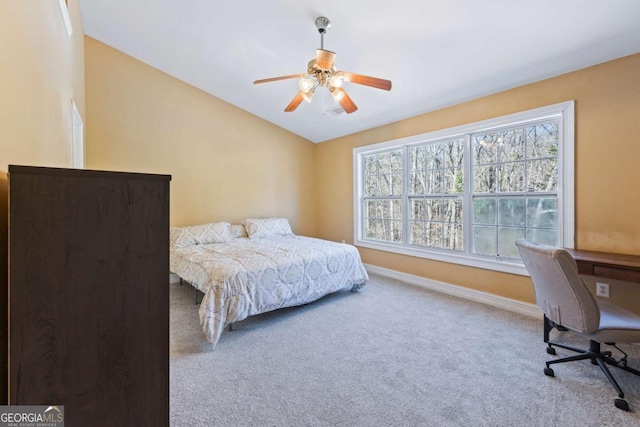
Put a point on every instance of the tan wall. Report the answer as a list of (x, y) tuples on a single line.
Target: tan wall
[(607, 151), (226, 164), (41, 70)]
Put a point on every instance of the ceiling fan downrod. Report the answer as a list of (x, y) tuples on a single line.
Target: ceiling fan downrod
[(322, 24)]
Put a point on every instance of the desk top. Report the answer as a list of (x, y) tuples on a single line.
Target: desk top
[(619, 260)]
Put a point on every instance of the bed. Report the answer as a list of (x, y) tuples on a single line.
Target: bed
[(258, 266)]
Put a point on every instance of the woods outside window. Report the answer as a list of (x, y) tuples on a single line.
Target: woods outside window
[(466, 194)]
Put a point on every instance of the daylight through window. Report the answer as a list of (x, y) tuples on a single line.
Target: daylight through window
[(467, 194)]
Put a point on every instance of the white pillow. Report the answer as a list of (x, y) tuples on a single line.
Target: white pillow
[(268, 227), (203, 234), (238, 231)]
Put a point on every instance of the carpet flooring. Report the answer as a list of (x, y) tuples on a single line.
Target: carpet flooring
[(390, 355)]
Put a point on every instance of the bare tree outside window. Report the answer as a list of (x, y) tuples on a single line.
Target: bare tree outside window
[(383, 178), (437, 182)]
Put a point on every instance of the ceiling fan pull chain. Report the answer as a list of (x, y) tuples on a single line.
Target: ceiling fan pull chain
[(323, 108)]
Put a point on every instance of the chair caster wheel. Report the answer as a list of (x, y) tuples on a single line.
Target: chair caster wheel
[(549, 372), (621, 404), (551, 350)]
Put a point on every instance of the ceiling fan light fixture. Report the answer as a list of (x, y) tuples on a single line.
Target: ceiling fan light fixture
[(336, 81), (337, 93), (306, 84), (308, 96)]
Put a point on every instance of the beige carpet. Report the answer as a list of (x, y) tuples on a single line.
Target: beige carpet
[(390, 355)]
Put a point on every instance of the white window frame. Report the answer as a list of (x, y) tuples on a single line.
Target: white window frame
[(564, 112)]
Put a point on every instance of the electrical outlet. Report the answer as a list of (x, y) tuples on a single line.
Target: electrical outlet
[(344, 241), (602, 289)]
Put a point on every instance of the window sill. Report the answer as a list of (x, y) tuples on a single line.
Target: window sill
[(512, 267)]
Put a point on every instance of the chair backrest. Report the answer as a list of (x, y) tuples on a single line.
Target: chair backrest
[(560, 292)]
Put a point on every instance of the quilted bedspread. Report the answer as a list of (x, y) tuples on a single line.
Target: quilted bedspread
[(244, 277)]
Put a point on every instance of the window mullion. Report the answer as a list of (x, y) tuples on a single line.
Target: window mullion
[(562, 183), (359, 195), (467, 202), (405, 195)]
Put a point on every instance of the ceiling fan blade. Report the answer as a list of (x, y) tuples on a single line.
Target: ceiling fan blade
[(273, 79), (294, 103), (361, 79), (324, 59), (347, 103)]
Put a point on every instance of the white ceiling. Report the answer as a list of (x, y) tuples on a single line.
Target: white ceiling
[(436, 53)]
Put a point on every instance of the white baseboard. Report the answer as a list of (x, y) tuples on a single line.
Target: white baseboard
[(173, 278), (459, 291)]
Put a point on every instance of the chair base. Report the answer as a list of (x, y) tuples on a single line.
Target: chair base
[(597, 357)]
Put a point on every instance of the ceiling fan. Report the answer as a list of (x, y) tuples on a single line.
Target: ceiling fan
[(321, 71)]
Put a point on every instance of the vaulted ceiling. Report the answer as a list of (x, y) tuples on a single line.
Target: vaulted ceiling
[(436, 53)]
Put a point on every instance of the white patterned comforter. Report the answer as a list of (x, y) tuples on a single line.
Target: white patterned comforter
[(244, 277)]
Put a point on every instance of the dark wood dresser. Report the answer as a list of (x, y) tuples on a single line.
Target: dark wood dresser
[(89, 294)]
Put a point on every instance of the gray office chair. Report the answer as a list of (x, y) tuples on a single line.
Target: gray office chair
[(567, 304)]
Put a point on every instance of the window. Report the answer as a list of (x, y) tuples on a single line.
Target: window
[(383, 196), (466, 194), (434, 194)]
